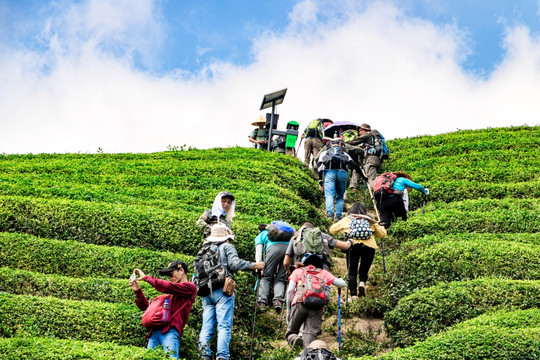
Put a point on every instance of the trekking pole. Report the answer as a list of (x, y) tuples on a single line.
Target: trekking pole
[(254, 314), (339, 318), (378, 219), (300, 143), (347, 288), (424, 198)]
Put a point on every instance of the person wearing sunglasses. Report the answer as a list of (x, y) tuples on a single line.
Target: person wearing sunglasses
[(181, 297)]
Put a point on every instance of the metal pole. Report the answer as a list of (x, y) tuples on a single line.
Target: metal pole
[(254, 315), (271, 125), (339, 319)]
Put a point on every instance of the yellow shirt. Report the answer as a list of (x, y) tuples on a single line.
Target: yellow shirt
[(342, 227)]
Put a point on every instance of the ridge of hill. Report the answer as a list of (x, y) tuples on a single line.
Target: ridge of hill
[(73, 226)]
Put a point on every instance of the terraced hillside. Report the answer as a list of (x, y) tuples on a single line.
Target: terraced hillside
[(462, 278)]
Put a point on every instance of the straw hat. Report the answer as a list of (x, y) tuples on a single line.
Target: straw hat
[(260, 120), (220, 232)]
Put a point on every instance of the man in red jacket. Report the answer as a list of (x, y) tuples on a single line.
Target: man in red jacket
[(183, 293)]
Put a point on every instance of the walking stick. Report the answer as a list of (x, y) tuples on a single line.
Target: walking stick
[(339, 318), (300, 143), (347, 288), (254, 314), (424, 198), (378, 219)]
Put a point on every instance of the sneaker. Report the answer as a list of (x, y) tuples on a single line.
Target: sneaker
[(338, 218), (278, 306), (330, 216), (362, 289), (352, 299)]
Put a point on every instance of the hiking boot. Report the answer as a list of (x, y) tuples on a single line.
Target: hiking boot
[(278, 306), (362, 289), (330, 216), (338, 218), (352, 299), (297, 342)]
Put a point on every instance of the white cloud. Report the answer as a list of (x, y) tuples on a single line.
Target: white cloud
[(373, 64)]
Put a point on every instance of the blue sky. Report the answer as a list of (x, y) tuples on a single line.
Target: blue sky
[(140, 75)]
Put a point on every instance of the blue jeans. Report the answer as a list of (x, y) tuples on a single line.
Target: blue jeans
[(217, 308), (170, 341), (335, 183)]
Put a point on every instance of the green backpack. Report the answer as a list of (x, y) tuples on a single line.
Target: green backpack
[(309, 241)]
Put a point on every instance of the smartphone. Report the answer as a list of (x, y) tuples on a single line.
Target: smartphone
[(132, 277)]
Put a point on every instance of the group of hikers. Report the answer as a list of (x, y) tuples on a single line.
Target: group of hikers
[(293, 265)]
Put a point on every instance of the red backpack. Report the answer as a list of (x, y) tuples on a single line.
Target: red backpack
[(384, 185), (154, 317), (311, 288)]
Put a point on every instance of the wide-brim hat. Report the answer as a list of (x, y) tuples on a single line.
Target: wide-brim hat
[(260, 120), (312, 259), (365, 127), (175, 265), (220, 232), (402, 174)]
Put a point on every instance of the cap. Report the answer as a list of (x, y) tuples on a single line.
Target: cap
[(365, 127), (312, 259), (175, 265), (220, 232), (227, 194)]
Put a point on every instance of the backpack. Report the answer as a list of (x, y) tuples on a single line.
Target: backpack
[(310, 289), (280, 231), (153, 316), (359, 229), (309, 241), (384, 185), (317, 354), (209, 272), (335, 157), (349, 135), (380, 147), (315, 129)]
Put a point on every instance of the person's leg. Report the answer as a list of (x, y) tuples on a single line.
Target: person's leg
[(341, 186), (354, 257), (207, 328), (171, 342), (224, 316), (312, 326), (371, 166), (154, 340), (307, 150), (317, 145), (280, 279), (330, 191), (366, 259), (271, 263), (296, 319), (386, 214)]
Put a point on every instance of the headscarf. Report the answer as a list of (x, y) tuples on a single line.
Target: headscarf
[(217, 207)]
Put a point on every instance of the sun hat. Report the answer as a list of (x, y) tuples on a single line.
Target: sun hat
[(175, 265), (365, 127), (260, 120), (220, 232)]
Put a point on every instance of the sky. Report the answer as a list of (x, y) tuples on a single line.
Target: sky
[(142, 76)]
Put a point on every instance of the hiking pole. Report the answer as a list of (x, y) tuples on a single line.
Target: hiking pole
[(254, 314), (424, 198), (300, 143), (347, 288), (379, 219), (339, 317)]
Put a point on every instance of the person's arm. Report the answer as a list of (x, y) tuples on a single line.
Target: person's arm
[(378, 231), (290, 294), (204, 219), (341, 226), (287, 263), (185, 289), (339, 282), (140, 299), (344, 245), (235, 263), (413, 185)]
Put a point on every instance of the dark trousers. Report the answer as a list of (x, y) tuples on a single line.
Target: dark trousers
[(359, 260), (391, 208)]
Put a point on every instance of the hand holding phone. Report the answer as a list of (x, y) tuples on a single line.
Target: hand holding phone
[(132, 277)]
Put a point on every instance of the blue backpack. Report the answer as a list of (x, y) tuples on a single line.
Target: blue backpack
[(379, 145)]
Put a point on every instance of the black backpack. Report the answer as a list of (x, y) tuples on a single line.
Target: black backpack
[(209, 271), (336, 157)]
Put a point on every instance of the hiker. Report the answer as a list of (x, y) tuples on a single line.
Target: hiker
[(317, 350), (333, 164), (306, 240), (306, 297), (362, 229), (372, 161), (218, 298), (313, 135), (391, 206), (259, 136), (180, 300), (222, 212), (272, 242)]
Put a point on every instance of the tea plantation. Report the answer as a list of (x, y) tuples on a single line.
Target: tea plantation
[(462, 279)]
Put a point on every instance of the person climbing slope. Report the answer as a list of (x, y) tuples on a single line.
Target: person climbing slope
[(222, 212)]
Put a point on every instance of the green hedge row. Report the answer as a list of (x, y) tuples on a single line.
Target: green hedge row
[(428, 311), (458, 260), (462, 141), (475, 216), (76, 259), (36, 348), (499, 335), (23, 282)]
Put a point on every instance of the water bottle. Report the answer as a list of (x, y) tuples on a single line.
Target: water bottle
[(165, 312)]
